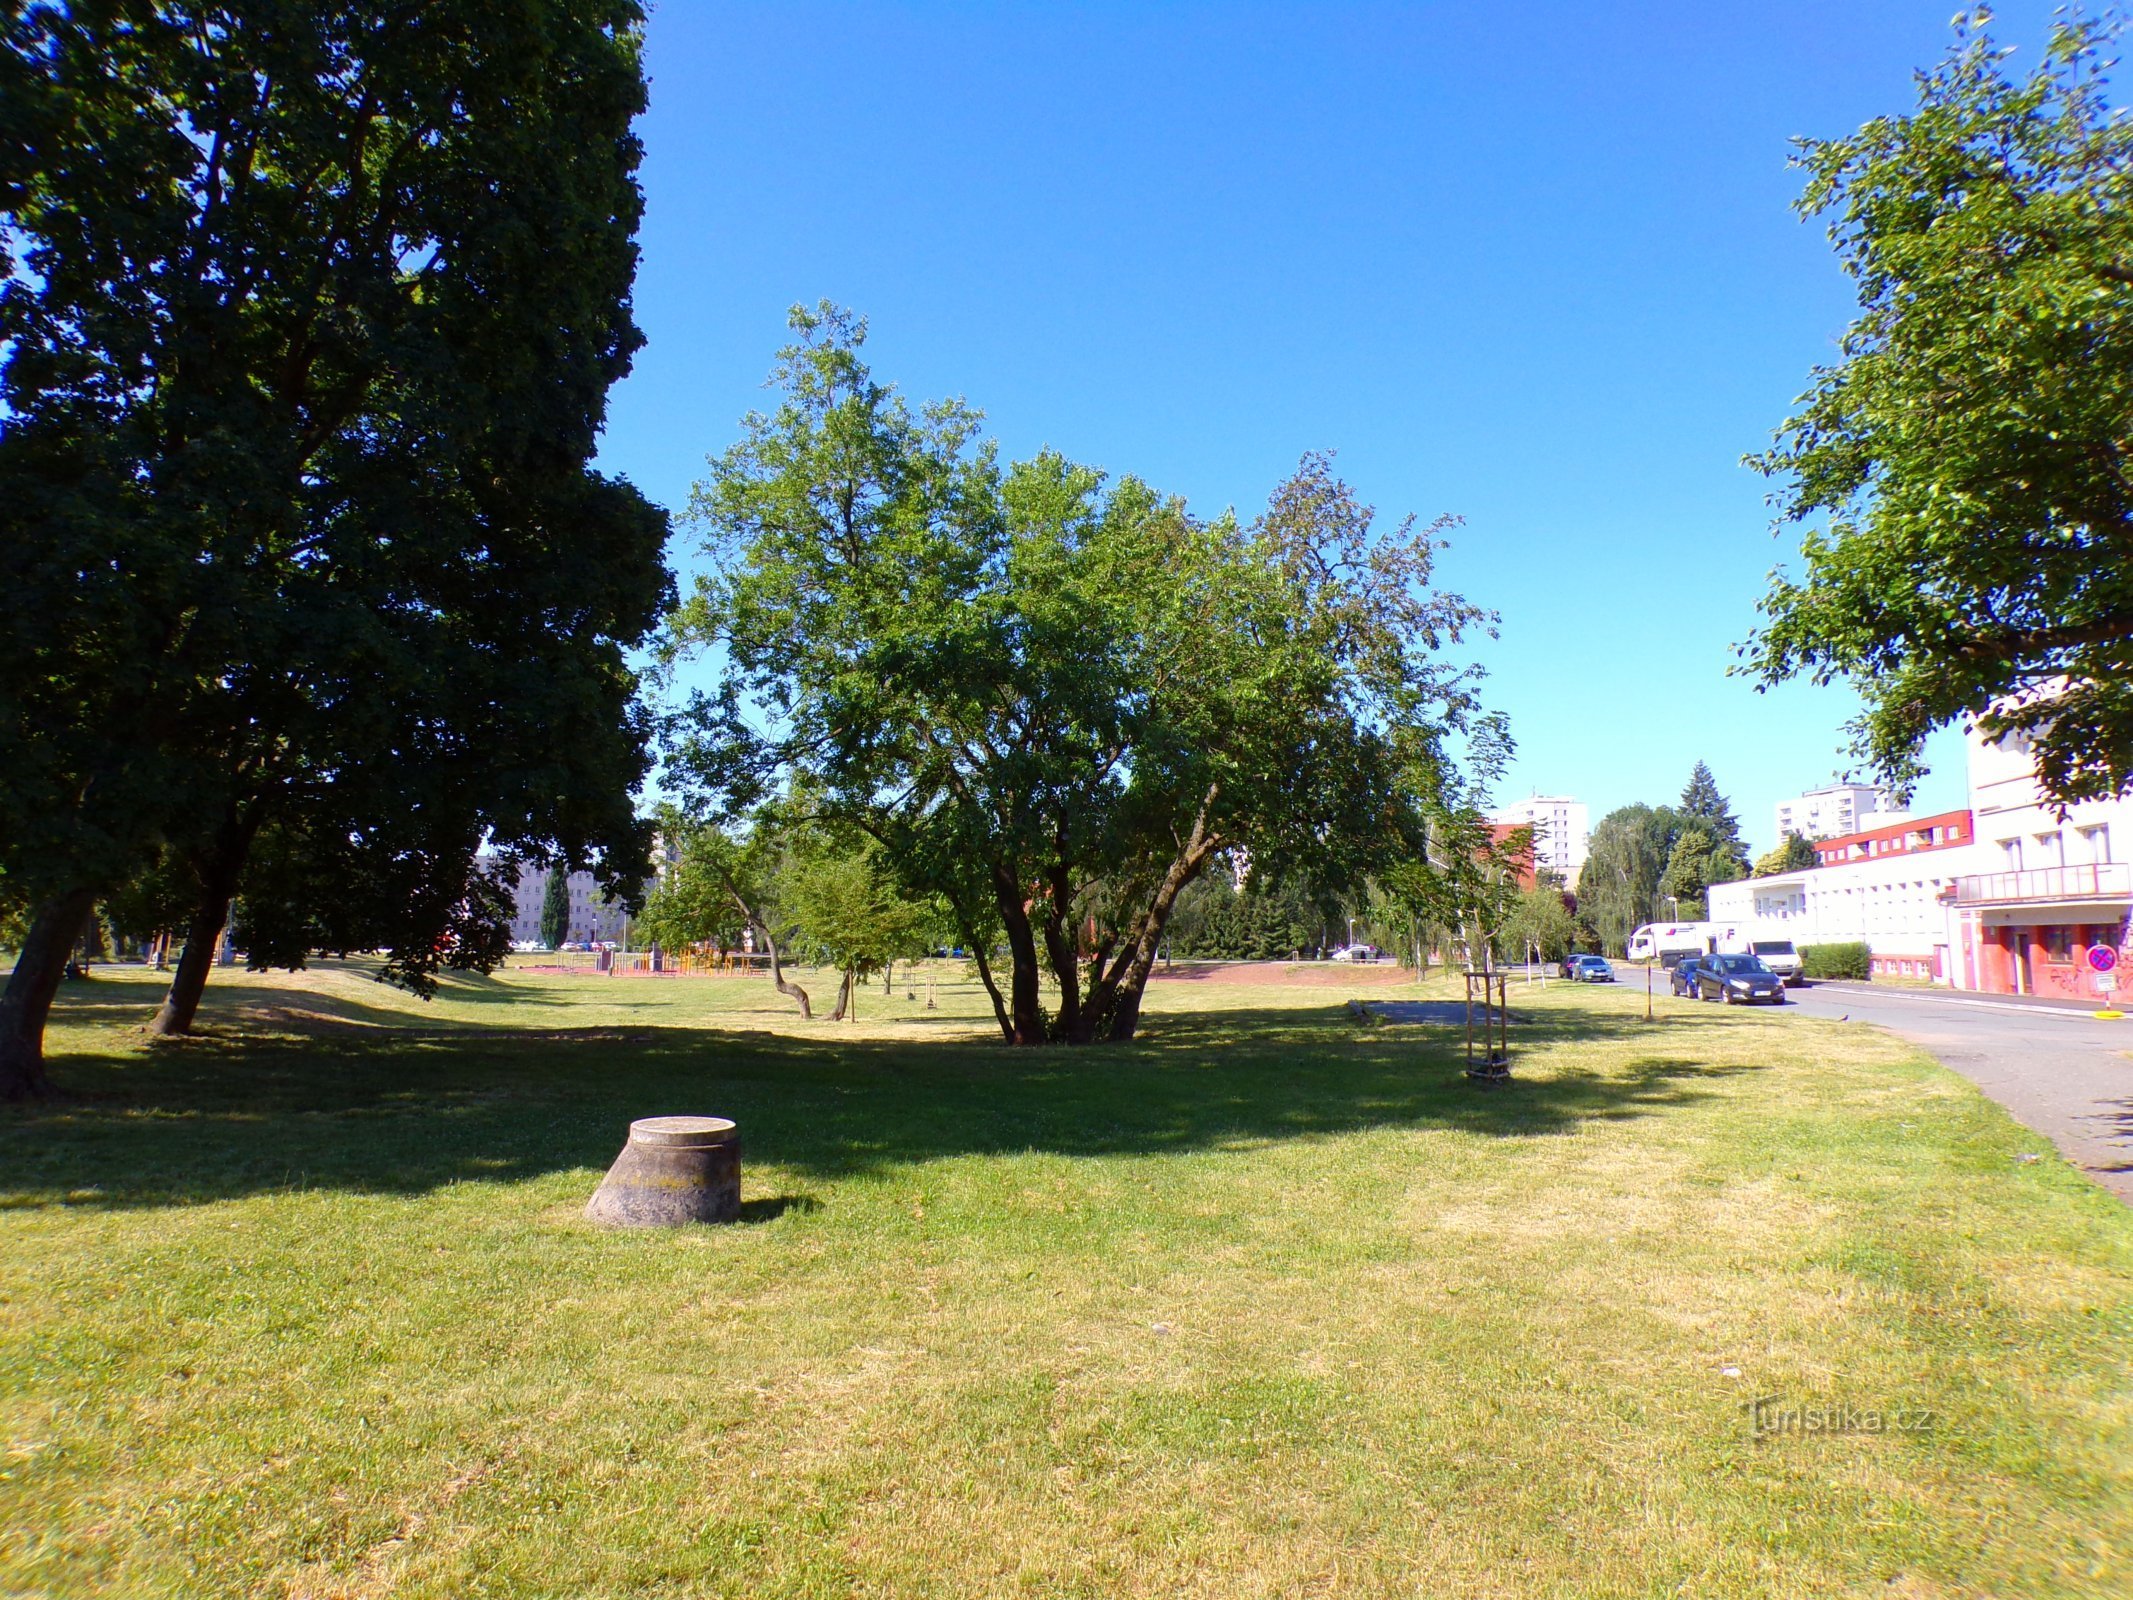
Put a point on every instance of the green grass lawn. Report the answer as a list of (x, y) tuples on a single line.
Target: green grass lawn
[(1271, 1303)]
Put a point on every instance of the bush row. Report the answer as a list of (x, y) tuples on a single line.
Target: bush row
[(1853, 960)]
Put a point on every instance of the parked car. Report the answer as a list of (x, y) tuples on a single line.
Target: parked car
[(1738, 979), (1354, 952), (1568, 966), (1684, 974), (1592, 969)]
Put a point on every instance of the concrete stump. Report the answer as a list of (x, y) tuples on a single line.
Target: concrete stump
[(673, 1170)]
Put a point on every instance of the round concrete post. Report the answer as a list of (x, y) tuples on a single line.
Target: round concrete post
[(673, 1170)]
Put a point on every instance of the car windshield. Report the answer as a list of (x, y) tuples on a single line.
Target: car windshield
[(1774, 947), (1736, 965)]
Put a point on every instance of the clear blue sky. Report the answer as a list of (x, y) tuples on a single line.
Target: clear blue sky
[(1534, 266)]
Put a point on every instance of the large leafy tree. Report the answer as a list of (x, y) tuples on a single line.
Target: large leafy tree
[(1626, 861), (1053, 699), (1700, 858), (313, 314), (728, 878), (1968, 456)]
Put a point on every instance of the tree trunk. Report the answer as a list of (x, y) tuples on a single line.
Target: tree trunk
[(27, 1000), (1025, 1002), (844, 997), (964, 927), (1129, 975), (1059, 948), (778, 980), (174, 1018)]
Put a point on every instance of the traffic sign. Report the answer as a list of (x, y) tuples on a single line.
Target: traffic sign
[(2102, 957)]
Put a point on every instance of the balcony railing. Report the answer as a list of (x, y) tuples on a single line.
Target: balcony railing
[(2111, 880)]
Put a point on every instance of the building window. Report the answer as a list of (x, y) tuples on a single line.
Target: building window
[(2096, 843), (2012, 850), (2051, 849), (2058, 941)]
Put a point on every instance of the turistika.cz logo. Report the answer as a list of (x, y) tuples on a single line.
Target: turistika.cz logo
[(1771, 1417)]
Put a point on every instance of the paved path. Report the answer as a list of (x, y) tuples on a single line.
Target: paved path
[(2055, 1069)]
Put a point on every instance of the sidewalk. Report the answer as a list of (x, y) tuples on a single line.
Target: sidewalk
[(2000, 1002)]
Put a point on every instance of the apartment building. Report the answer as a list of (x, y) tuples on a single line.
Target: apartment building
[(1831, 811), (1561, 832), (593, 916)]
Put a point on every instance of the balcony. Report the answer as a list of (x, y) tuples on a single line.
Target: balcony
[(2112, 880)]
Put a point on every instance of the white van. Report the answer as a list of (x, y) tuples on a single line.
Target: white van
[(1667, 942), (1780, 957), (1767, 945)]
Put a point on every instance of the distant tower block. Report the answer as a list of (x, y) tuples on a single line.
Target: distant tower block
[(673, 1170)]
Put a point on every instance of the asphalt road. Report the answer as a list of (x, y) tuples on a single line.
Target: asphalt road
[(2062, 1073)]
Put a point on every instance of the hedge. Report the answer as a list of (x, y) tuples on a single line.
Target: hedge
[(1854, 960)]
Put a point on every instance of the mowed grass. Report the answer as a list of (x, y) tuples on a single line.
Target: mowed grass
[(1271, 1303)]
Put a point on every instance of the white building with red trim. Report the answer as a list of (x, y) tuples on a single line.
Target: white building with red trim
[(2006, 896)]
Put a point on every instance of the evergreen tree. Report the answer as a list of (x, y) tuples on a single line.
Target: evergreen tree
[(555, 907), (1701, 802)]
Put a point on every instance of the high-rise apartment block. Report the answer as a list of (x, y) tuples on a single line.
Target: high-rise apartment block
[(1830, 812), (1560, 832)]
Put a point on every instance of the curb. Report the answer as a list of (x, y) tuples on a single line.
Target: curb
[(1985, 1005)]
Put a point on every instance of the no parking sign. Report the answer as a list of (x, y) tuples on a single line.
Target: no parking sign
[(2104, 960)]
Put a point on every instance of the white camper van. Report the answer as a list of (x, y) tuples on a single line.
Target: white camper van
[(1667, 942), (1769, 945)]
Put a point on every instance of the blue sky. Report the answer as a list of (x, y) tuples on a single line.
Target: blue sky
[(1535, 267)]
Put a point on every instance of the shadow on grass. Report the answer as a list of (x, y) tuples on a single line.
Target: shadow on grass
[(407, 1109)]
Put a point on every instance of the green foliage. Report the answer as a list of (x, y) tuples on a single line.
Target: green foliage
[(1629, 854), (306, 353), (555, 907), (1699, 859), (1794, 855), (691, 904), (428, 903), (1539, 921), (849, 910), (1969, 450), (1703, 804), (1850, 960), (1216, 920), (1053, 698)]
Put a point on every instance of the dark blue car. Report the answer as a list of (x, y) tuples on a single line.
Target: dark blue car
[(1738, 980)]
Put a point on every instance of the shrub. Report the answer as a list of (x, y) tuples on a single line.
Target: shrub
[(1853, 960)]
